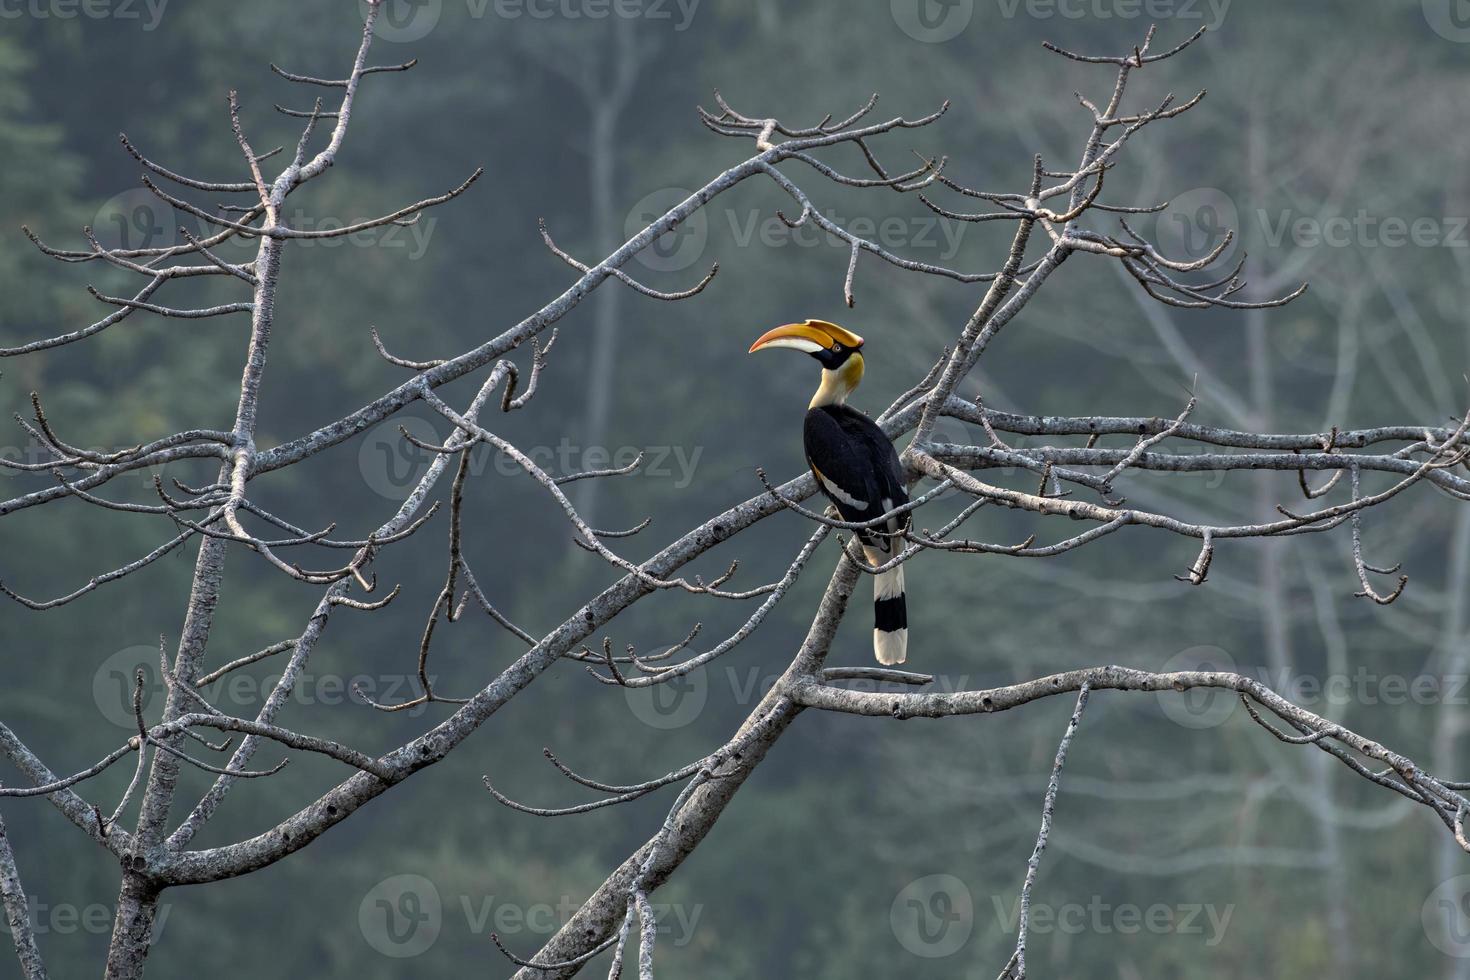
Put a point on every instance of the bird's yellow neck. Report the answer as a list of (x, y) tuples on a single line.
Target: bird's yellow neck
[(837, 385)]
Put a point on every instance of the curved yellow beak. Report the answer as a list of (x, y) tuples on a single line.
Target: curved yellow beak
[(809, 336)]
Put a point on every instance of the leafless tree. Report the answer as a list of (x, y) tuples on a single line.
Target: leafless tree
[(1061, 211)]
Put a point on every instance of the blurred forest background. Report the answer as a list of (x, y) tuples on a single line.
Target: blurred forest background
[(1188, 842)]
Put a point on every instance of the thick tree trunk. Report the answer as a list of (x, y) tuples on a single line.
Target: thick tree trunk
[(132, 930), (600, 916), (136, 901)]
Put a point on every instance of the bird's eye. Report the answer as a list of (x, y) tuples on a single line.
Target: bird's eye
[(836, 347)]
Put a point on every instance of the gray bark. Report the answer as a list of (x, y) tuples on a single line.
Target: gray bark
[(18, 912)]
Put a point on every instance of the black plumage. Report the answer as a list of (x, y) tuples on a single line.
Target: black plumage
[(847, 450), (858, 470)]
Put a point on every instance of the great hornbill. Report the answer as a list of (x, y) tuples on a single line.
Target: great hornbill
[(855, 465)]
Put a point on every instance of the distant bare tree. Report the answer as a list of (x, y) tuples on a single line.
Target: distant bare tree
[(605, 89), (153, 847)]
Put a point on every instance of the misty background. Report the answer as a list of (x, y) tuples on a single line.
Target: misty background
[(1188, 842)]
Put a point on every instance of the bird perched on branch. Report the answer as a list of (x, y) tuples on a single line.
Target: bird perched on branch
[(855, 465)]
